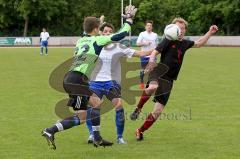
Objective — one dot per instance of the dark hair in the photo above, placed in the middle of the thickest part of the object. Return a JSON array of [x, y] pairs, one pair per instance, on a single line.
[[90, 23], [148, 21], [106, 25]]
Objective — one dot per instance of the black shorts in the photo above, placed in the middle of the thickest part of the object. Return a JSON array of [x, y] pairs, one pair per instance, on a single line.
[[164, 84], [158, 72], [76, 85], [78, 102]]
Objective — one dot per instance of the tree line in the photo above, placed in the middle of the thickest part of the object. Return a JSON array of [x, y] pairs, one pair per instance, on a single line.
[[65, 17]]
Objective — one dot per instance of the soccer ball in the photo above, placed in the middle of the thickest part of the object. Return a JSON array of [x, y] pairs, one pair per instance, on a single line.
[[172, 31]]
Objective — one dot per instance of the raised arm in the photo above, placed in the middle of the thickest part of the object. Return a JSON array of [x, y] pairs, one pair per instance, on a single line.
[[130, 12], [203, 40], [124, 31]]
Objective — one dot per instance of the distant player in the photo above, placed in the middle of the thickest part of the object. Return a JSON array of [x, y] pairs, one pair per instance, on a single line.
[[161, 77], [76, 81], [106, 80], [147, 40], [44, 36]]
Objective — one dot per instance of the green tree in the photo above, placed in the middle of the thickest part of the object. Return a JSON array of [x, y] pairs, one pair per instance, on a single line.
[[33, 9], [64, 17]]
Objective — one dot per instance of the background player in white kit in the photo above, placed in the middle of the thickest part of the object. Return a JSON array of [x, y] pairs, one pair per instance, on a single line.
[[147, 40], [106, 79], [44, 36]]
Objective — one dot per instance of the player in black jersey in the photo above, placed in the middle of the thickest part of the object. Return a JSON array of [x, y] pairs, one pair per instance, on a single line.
[[162, 75]]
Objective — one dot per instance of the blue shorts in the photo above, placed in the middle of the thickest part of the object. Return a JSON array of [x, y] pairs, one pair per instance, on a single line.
[[144, 61], [111, 89], [44, 43]]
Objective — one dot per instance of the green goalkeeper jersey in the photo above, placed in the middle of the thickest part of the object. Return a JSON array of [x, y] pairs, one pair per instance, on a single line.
[[88, 49]]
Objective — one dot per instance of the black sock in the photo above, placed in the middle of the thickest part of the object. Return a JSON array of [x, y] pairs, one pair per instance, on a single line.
[[95, 118], [64, 124], [52, 129], [142, 76]]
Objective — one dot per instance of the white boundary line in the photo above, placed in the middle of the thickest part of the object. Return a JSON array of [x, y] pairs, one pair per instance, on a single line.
[[20, 47]]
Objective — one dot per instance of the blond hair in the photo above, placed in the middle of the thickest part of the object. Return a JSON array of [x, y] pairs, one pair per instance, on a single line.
[[180, 20]]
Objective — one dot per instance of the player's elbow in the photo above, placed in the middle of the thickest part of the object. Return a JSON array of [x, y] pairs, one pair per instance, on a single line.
[[197, 44]]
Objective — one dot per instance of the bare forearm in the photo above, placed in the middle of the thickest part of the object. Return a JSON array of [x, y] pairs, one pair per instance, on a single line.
[[203, 40], [142, 53], [153, 55]]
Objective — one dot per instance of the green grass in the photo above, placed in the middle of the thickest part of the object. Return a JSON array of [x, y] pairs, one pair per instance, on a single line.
[[208, 84]]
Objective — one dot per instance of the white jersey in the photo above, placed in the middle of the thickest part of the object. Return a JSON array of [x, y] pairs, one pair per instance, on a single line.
[[148, 37], [44, 36], [108, 66]]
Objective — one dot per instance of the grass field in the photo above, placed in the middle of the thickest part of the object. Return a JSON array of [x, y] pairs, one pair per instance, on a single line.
[[208, 85]]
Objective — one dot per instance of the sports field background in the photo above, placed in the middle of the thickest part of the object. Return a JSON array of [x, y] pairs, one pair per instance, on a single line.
[[208, 85]]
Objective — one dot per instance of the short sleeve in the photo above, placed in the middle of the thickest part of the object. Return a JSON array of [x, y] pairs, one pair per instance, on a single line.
[[156, 39], [189, 44], [140, 38], [128, 52], [162, 46]]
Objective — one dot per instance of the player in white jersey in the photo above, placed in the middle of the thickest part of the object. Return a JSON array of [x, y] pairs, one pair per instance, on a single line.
[[44, 36], [147, 40], [106, 79]]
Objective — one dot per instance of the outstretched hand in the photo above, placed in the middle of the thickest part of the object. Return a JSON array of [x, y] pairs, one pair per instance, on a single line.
[[213, 29], [130, 12]]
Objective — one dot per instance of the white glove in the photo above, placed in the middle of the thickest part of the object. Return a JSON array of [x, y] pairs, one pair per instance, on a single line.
[[130, 12]]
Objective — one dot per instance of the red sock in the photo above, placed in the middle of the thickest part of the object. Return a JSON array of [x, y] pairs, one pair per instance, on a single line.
[[144, 98], [148, 123]]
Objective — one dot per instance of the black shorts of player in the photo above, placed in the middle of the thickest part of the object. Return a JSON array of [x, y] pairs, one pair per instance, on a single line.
[[164, 84], [78, 102], [76, 85]]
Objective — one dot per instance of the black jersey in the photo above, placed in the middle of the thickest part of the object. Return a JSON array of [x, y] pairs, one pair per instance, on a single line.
[[172, 53]]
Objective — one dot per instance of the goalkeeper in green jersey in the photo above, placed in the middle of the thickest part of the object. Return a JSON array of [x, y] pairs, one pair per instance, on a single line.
[[76, 81]]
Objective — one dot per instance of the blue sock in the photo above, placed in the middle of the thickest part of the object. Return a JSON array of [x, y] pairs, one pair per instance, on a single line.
[[142, 76], [120, 120], [65, 124], [70, 122], [88, 121], [95, 119], [46, 50]]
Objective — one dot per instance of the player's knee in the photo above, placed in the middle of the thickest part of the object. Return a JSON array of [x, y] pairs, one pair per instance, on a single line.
[[158, 109], [81, 114], [152, 88], [117, 104], [95, 102], [156, 113]]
